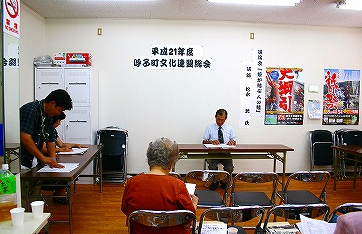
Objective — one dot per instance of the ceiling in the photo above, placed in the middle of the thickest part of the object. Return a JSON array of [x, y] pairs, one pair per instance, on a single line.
[[308, 12]]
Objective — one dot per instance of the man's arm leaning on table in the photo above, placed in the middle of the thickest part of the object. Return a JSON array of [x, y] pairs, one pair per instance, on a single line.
[[30, 146]]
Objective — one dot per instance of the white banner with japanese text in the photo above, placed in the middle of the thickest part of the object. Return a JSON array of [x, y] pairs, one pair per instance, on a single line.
[[173, 57]]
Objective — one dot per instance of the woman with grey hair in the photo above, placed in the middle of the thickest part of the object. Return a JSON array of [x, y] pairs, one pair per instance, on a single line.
[[156, 190], [162, 153]]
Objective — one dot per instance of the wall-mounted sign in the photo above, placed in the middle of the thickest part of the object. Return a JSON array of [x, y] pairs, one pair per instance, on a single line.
[[251, 88], [11, 59], [11, 17], [173, 57], [284, 96], [341, 97]]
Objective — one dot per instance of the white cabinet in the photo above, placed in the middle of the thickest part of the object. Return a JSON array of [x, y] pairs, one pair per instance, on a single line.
[[81, 123], [47, 80]]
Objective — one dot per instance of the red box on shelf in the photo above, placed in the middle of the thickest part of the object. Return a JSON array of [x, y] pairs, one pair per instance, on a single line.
[[79, 58]]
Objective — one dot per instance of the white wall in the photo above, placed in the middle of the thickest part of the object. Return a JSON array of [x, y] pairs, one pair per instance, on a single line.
[[32, 43], [180, 103]]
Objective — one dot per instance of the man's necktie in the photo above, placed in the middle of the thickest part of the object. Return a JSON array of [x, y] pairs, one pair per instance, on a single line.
[[220, 136]]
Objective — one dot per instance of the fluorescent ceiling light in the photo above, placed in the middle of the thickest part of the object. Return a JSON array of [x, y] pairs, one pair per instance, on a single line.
[[118, 0], [261, 2], [350, 4]]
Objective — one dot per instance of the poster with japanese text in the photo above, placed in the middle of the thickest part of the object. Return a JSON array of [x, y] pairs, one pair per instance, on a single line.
[[284, 96], [251, 88], [341, 97]]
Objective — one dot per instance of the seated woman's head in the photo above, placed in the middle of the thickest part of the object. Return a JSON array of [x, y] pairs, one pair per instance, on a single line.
[[163, 153]]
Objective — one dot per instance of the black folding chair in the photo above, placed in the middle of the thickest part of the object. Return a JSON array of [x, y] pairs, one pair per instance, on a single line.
[[175, 174], [292, 194], [254, 188], [321, 153], [344, 209], [203, 179], [293, 212], [234, 216]]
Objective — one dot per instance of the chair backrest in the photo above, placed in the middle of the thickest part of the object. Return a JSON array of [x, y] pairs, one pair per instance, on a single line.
[[321, 135], [155, 218], [344, 209], [209, 176], [204, 178], [233, 215], [352, 137], [258, 179], [321, 177], [175, 174], [293, 211], [321, 152]]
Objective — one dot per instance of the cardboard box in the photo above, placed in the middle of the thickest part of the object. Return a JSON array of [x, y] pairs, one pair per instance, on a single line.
[[79, 58], [59, 58]]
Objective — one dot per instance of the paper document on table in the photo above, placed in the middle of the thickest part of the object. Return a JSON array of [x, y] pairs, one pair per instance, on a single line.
[[222, 146], [282, 229], [213, 227], [75, 151], [314, 226], [68, 167]]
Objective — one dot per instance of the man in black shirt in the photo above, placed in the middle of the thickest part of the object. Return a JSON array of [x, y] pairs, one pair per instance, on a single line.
[[36, 127]]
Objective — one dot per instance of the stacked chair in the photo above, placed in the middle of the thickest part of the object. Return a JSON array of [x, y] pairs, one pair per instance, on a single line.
[[347, 137], [321, 153]]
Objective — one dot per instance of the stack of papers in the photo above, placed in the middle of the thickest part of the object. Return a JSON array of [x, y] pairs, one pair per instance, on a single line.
[[68, 167], [222, 146], [314, 226], [75, 151]]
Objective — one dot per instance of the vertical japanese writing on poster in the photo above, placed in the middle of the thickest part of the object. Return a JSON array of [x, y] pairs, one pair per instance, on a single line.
[[245, 94], [341, 97], [251, 88], [11, 17], [258, 83], [284, 96], [173, 57]]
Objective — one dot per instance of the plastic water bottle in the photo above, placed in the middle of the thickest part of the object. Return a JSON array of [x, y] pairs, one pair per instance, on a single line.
[[7, 192]]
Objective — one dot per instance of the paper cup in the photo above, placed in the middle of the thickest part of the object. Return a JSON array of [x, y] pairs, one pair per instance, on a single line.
[[17, 216], [37, 208], [232, 230], [190, 188]]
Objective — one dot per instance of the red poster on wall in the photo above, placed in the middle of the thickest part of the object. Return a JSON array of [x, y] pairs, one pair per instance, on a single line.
[[341, 97], [284, 96]]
